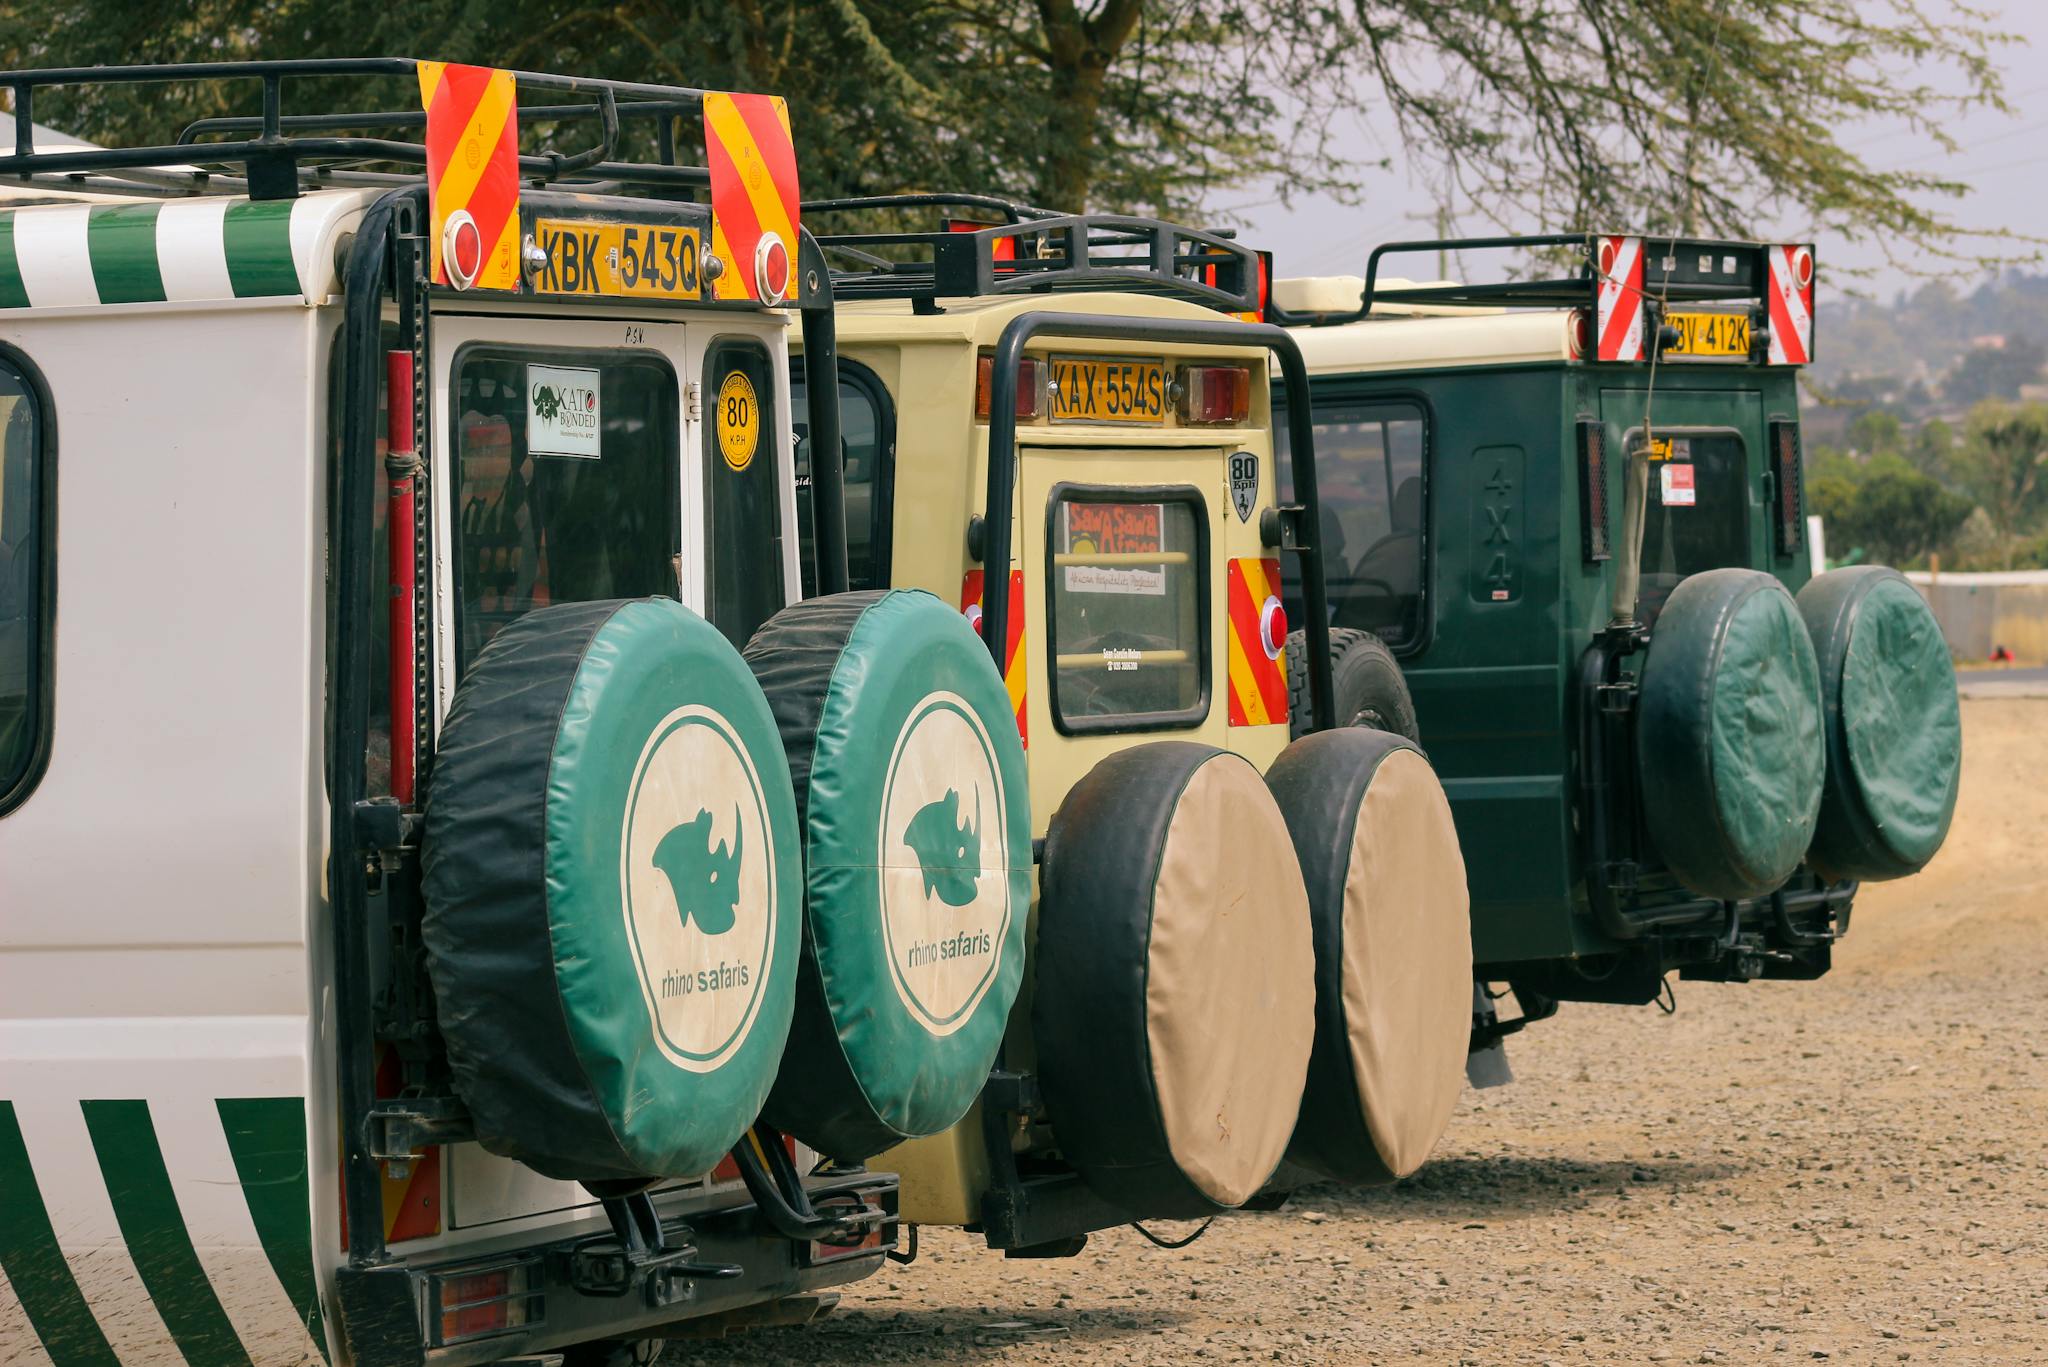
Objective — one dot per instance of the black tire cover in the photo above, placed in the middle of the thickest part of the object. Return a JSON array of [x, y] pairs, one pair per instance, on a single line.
[[910, 787], [612, 892], [1393, 935], [1366, 685], [1174, 1000], [1894, 726], [1729, 752]]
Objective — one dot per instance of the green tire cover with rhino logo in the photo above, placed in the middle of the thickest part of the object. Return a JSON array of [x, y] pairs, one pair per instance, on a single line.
[[1728, 734], [612, 892], [1894, 727], [911, 795]]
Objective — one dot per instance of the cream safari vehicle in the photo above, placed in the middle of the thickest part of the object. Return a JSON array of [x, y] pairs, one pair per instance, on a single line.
[[434, 841], [1248, 953]]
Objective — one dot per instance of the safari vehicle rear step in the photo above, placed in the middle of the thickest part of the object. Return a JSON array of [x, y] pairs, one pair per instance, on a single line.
[[1033, 251]]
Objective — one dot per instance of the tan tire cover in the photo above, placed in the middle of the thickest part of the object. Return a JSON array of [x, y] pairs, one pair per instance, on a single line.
[[1393, 938], [1175, 1004]]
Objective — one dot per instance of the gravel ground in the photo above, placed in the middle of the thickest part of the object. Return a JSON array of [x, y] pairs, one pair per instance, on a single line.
[[1854, 1169]]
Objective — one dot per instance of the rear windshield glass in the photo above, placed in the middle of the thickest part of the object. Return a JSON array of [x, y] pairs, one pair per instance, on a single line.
[[1369, 478], [1127, 608], [1697, 517], [863, 440], [566, 471]]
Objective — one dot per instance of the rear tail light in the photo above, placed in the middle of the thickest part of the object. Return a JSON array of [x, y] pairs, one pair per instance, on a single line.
[[1215, 395], [1030, 386], [478, 1304], [1579, 334], [1593, 534], [1787, 481]]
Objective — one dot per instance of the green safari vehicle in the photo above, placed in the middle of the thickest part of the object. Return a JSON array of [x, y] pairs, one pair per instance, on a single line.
[[1567, 550]]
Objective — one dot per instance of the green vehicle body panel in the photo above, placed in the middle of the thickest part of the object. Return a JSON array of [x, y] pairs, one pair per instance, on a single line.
[[1512, 603]]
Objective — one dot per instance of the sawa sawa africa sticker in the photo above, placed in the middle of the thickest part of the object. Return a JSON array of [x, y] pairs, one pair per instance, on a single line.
[[738, 421], [699, 876], [945, 879]]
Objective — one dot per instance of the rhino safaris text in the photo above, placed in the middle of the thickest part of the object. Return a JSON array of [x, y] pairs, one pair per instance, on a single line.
[[948, 851], [706, 883]]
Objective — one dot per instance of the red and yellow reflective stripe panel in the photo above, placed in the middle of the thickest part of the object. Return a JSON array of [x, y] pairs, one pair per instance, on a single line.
[[1258, 644], [473, 166], [1013, 646], [754, 193]]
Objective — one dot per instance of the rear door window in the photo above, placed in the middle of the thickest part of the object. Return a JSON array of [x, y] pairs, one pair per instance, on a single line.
[[567, 489], [867, 438], [1697, 517], [1371, 485], [1128, 625], [742, 493]]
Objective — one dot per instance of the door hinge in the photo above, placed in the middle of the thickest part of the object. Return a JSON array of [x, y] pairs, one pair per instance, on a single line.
[[693, 401]]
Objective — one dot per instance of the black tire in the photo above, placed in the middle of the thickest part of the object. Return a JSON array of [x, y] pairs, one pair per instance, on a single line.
[[613, 890], [1386, 889], [614, 1353], [1174, 1006], [1365, 683], [911, 794]]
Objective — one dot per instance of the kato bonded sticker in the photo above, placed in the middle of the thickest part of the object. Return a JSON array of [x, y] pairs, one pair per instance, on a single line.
[[564, 412]]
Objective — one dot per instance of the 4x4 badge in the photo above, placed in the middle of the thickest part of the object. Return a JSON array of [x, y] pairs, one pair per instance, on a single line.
[[1244, 484]]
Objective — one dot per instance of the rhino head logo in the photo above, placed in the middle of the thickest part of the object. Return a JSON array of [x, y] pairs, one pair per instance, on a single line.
[[948, 851], [706, 882], [547, 401]]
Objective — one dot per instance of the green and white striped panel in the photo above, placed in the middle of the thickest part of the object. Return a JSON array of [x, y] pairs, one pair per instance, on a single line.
[[186, 250], [98, 1263]]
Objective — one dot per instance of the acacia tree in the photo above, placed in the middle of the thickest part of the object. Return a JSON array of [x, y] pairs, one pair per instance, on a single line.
[[1710, 116]]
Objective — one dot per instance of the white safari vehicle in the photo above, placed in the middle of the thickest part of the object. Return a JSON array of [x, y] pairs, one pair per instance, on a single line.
[[406, 901]]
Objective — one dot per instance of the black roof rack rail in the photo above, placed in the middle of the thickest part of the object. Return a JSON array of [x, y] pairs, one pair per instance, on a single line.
[[1677, 269], [1032, 251], [287, 150]]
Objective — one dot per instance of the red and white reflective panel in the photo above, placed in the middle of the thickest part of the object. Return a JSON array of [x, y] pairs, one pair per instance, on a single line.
[[1620, 264], [1789, 297]]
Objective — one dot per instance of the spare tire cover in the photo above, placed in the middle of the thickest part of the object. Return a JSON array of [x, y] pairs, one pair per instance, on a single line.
[[1894, 728], [1174, 980], [910, 786], [1393, 936], [1728, 742], [612, 889]]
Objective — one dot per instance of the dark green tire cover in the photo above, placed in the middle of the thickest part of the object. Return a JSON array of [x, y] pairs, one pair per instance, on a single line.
[[1728, 741], [911, 793], [1894, 728], [612, 892]]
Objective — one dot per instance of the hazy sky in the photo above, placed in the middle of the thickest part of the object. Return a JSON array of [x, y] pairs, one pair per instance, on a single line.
[[2004, 159]]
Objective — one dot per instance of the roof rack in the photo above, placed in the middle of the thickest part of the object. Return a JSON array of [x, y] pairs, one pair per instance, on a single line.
[[290, 152], [1032, 251], [1675, 269]]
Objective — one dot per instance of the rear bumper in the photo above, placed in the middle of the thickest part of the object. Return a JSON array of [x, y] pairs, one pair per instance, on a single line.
[[725, 1258]]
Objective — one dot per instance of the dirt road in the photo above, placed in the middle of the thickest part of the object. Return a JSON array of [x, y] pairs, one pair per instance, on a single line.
[[1852, 1170]]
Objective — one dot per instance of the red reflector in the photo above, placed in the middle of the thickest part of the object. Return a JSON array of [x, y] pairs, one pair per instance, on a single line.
[[1581, 334], [477, 1304], [1215, 395], [771, 268], [1030, 386], [1273, 627]]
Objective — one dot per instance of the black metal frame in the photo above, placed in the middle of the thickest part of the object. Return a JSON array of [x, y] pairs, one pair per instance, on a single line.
[[1299, 526], [273, 162], [1578, 290], [1052, 251], [1127, 723], [42, 714]]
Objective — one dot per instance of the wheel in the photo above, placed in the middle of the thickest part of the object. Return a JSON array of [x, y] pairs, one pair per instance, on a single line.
[[911, 794], [613, 892], [1365, 684], [614, 1353], [1174, 1006], [1729, 753]]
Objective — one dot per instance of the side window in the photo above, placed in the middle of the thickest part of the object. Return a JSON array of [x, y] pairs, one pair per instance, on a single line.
[[566, 483], [27, 579], [867, 438], [1128, 622], [743, 510], [1371, 477]]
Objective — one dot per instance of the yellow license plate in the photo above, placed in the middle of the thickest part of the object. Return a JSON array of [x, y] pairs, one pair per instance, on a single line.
[[1709, 334], [620, 260], [1108, 389]]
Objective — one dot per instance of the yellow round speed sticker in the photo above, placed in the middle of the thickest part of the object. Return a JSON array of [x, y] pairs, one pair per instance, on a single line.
[[739, 420]]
